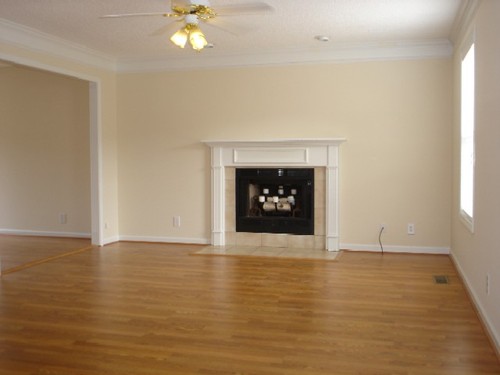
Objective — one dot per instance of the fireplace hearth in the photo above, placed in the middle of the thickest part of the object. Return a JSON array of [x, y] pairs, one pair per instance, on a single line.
[[275, 200]]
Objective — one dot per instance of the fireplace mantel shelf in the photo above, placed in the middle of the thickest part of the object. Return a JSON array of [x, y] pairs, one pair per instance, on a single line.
[[275, 142], [311, 152]]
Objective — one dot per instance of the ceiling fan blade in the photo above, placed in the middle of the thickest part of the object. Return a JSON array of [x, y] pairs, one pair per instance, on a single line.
[[243, 9], [139, 15], [166, 29], [227, 26]]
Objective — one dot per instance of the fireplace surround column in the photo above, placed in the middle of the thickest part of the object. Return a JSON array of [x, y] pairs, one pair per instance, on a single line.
[[317, 152], [332, 199]]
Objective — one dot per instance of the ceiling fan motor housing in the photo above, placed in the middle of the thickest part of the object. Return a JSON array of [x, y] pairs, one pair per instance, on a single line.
[[190, 3], [205, 3], [191, 19]]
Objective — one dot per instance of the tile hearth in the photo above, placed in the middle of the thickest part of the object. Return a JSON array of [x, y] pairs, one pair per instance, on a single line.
[[261, 251]]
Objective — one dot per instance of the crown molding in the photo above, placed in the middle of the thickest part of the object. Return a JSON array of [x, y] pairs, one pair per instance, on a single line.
[[463, 19], [34, 40], [428, 49]]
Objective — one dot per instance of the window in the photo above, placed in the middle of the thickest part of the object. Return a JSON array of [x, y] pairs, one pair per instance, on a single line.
[[467, 139]]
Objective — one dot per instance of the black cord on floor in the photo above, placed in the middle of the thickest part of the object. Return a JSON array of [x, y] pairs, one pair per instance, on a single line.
[[380, 239]]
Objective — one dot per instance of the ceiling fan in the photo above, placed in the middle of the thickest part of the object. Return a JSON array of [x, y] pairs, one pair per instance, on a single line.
[[191, 12]]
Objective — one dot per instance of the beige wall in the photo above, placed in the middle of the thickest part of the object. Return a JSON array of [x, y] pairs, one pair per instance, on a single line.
[[105, 80], [478, 254], [44, 152], [395, 165]]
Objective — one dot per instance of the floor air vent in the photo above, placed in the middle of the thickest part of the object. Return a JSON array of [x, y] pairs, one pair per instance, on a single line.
[[441, 279]]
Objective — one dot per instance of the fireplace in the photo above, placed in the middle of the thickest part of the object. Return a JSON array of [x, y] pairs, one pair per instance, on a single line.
[[275, 200], [320, 154]]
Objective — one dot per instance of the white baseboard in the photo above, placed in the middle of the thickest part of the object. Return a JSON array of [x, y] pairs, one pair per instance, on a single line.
[[492, 332], [183, 240], [22, 232], [109, 240], [396, 249]]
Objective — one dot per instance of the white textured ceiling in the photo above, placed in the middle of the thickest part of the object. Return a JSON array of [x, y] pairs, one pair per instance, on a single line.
[[290, 29]]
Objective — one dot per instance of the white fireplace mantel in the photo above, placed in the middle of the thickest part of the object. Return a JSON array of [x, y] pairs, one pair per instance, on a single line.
[[312, 152]]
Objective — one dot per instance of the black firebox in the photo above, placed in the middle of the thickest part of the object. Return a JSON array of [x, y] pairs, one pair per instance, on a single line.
[[275, 200]]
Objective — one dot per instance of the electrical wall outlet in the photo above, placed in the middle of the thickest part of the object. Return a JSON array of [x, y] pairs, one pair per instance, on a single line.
[[411, 228], [383, 227], [63, 218], [177, 221]]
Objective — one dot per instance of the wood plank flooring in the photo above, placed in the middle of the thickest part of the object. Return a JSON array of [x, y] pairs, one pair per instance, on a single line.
[[17, 252], [150, 309]]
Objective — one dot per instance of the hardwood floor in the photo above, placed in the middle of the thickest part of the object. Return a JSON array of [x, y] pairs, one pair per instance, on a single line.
[[18, 252], [147, 309]]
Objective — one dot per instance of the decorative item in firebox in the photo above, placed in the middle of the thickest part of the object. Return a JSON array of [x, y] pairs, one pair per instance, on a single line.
[[266, 204]]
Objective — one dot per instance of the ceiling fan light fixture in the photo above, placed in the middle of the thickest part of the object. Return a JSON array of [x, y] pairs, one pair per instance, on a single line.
[[180, 38], [197, 38], [190, 32]]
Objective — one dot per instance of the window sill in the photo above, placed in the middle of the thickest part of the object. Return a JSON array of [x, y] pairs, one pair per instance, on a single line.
[[467, 221]]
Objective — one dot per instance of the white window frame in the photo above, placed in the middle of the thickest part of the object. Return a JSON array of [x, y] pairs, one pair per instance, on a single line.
[[467, 130]]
